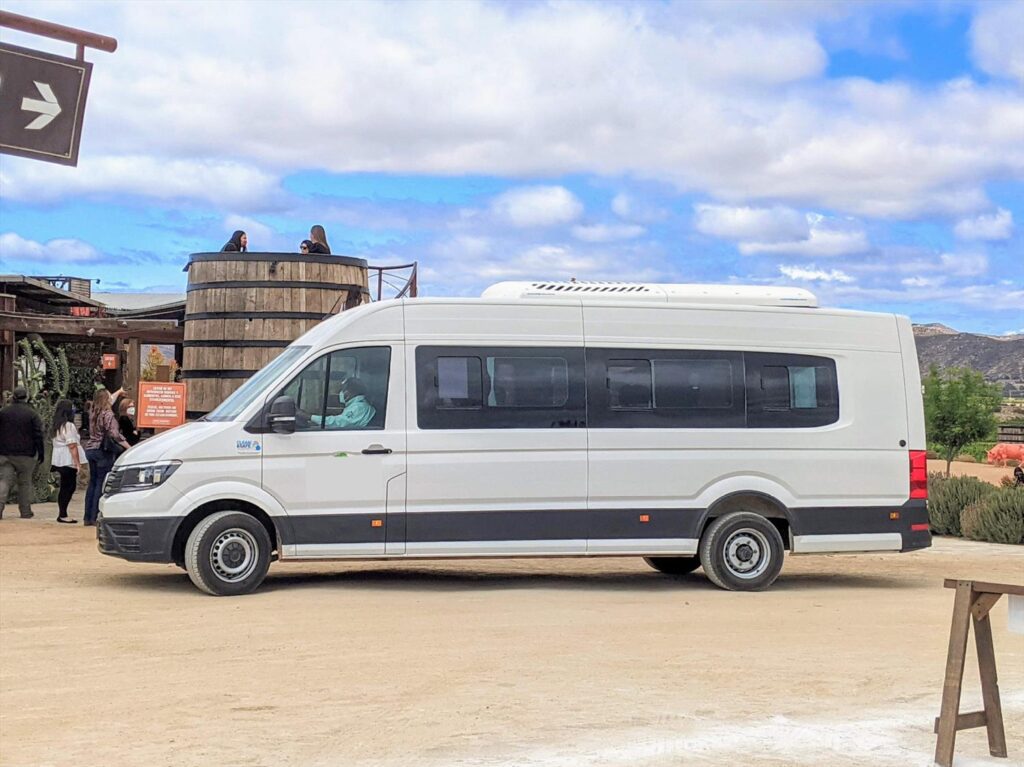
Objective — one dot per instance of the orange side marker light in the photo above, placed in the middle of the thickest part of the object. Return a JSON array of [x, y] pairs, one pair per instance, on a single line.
[[894, 515], [645, 517], [377, 523]]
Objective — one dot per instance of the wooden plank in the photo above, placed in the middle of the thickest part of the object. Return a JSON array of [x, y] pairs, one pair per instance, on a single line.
[[955, 657], [110, 327], [966, 721], [983, 603], [983, 587], [990, 686]]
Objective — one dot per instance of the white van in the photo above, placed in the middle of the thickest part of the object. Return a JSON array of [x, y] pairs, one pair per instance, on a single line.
[[695, 426]]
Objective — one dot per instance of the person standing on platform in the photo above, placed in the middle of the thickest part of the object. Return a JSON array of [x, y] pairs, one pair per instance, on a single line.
[[21, 443], [319, 238], [67, 456], [239, 243]]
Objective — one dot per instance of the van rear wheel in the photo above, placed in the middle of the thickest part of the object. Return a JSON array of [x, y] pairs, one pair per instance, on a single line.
[[742, 551], [673, 565], [228, 554]]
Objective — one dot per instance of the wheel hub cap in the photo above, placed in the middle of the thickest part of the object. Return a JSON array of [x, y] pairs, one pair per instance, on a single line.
[[234, 555], [747, 553]]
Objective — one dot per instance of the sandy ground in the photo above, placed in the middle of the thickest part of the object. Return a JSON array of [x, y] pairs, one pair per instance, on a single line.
[[533, 663], [983, 471]]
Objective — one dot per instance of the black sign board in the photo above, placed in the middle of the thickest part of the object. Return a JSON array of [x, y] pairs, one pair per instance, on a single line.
[[42, 103]]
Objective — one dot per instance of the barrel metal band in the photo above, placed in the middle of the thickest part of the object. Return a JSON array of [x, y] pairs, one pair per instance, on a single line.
[[285, 258], [277, 284], [223, 344], [256, 316], [218, 373]]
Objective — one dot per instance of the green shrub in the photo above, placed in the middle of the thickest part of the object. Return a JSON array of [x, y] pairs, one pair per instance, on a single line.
[[966, 458], [949, 496], [997, 518], [978, 450]]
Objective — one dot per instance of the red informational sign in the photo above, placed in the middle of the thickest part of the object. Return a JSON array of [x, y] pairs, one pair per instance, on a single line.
[[110, 362], [161, 405]]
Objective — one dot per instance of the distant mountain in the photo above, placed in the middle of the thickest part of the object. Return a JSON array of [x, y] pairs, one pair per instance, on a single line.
[[999, 358]]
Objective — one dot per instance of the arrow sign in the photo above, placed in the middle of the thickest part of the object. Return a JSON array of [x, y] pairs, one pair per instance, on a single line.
[[42, 103], [48, 108]]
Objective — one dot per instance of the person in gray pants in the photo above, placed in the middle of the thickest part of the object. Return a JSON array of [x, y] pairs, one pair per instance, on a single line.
[[21, 443]]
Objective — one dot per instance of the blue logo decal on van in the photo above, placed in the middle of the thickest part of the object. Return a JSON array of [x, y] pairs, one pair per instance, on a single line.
[[247, 446]]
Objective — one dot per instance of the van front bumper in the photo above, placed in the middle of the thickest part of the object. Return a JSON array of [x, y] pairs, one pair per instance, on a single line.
[[139, 539]]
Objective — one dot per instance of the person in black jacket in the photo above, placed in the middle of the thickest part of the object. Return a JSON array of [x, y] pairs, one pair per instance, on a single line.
[[239, 243], [319, 238], [21, 440]]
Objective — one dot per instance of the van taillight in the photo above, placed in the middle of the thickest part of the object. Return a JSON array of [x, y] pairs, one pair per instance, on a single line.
[[918, 474]]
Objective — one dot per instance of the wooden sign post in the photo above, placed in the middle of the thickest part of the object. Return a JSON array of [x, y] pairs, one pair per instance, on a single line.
[[974, 600]]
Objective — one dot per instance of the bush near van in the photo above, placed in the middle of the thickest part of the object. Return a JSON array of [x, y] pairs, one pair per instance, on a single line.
[[971, 508]]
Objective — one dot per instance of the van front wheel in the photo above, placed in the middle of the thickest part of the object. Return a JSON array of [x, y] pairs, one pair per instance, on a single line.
[[742, 551], [673, 565], [228, 553]]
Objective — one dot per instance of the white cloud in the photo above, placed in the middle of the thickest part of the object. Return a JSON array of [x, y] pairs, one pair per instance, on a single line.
[[763, 225], [217, 182], [996, 226], [57, 251], [811, 274], [996, 34], [631, 208], [781, 230], [607, 232], [822, 242], [729, 104], [259, 235], [535, 206], [923, 282], [964, 264]]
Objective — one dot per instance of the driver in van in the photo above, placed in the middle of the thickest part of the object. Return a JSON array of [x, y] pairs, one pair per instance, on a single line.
[[357, 413]]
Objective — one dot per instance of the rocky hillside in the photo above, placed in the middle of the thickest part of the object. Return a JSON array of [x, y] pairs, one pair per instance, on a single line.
[[999, 358]]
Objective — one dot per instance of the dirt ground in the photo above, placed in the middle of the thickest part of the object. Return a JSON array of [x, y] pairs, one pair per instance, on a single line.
[[533, 663], [983, 471]]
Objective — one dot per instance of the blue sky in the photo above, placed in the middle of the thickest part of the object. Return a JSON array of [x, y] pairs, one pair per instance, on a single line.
[[872, 152]]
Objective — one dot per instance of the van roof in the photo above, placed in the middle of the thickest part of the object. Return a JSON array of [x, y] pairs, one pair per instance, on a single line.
[[632, 292]]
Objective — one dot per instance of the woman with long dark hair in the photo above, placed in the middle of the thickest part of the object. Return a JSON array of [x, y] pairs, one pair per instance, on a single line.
[[100, 451], [239, 243], [67, 456], [319, 238]]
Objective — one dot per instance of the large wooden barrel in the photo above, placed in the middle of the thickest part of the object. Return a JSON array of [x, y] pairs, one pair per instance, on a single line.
[[244, 308]]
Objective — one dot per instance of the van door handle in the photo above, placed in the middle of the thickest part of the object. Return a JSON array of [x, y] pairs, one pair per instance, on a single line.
[[376, 450]]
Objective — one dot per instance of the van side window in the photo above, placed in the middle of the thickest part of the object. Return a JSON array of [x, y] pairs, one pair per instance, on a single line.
[[630, 385], [499, 388], [343, 390], [665, 389], [791, 390]]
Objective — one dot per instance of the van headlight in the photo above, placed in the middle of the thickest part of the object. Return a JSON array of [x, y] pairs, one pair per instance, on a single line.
[[143, 476]]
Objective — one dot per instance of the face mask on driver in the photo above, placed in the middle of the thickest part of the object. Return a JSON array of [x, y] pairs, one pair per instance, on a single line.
[[131, 411], [341, 398]]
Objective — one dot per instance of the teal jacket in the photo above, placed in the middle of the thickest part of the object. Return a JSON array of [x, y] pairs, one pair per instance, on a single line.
[[356, 415]]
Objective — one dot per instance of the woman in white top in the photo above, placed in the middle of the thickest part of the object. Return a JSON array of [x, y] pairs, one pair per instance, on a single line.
[[67, 456]]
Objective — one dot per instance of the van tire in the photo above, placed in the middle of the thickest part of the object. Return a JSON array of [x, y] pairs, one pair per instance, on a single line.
[[742, 551], [674, 565], [228, 554]]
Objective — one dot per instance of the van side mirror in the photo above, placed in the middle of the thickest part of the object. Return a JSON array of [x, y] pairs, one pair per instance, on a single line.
[[282, 415]]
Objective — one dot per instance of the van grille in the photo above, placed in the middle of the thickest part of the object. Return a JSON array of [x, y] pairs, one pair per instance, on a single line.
[[118, 536]]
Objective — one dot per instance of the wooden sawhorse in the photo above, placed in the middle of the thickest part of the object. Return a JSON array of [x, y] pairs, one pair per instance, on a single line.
[[973, 602]]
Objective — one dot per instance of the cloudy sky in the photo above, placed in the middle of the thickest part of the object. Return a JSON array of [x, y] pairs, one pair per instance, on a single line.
[[872, 152]]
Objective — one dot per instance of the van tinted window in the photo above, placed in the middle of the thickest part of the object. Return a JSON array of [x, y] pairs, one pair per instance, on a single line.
[[499, 388], [662, 388], [790, 390]]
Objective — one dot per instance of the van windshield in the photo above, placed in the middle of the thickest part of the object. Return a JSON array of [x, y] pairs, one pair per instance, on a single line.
[[229, 409]]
